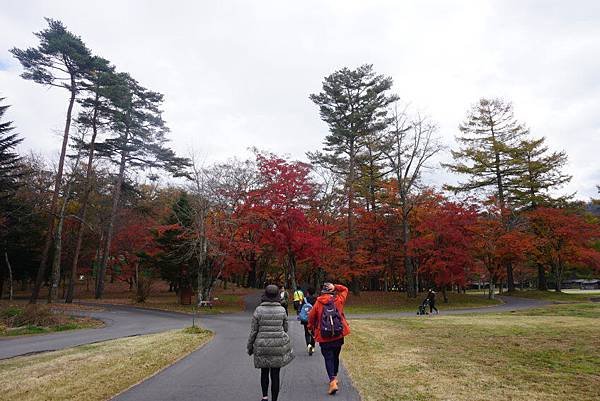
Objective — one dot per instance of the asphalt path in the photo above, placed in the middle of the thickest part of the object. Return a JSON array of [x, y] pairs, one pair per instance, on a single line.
[[120, 321], [221, 370]]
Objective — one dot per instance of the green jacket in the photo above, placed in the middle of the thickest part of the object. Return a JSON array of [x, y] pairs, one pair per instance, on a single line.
[[268, 340]]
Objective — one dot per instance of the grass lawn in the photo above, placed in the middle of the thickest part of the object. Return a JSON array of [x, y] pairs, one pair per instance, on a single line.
[[375, 301], [96, 371], [546, 354], [566, 296]]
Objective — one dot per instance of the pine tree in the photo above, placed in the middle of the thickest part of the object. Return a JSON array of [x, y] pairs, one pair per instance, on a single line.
[[354, 103], [9, 159], [61, 60], [490, 135], [538, 172], [139, 142], [95, 114]]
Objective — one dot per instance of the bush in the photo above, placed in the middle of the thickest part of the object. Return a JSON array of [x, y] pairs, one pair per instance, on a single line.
[[34, 315], [10, 312]]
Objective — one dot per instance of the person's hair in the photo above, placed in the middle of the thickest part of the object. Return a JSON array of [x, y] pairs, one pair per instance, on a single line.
[[271, 294]]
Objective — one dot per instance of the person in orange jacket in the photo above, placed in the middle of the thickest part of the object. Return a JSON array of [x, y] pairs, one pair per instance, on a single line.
[[328, 323]]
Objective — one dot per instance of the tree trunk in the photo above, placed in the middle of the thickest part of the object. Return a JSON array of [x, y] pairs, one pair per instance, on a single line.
[[41, 273], [292, 271], [408, 266], [55, 275], [491, 289], [109, 232], [10, 277], [542, 283]]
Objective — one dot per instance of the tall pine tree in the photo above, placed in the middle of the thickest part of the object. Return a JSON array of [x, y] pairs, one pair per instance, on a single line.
[[139, 142], [61, 60], [489, 137], [354, 104]]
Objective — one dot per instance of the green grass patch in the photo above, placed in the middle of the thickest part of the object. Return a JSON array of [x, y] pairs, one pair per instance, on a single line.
[[195, 330], [545, 354], [389, 302]]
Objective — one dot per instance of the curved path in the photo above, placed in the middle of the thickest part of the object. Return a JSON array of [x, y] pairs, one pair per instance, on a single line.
[[221, 370], [120, 321]]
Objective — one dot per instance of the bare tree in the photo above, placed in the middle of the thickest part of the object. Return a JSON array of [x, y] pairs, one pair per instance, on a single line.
[[412, 143]]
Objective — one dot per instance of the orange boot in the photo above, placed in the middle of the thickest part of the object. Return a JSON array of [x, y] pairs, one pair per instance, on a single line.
[[333, 386]]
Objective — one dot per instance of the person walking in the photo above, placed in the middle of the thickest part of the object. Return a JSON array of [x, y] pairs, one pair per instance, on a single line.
[[298, 300], [269, 341], [431, 300], [329, 326], [305, 308], [284, 298]]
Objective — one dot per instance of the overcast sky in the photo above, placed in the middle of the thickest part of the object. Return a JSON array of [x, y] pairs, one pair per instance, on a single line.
[[237, 74]]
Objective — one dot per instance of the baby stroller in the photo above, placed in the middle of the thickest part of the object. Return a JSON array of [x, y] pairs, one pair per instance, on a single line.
[[423, 308]]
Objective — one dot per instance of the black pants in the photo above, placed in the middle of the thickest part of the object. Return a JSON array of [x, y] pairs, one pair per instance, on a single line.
[[264, 382], [432, 307], [310, 340], [331, 353]]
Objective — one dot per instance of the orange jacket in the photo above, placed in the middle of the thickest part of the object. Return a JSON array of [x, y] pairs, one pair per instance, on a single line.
[[314, 317]]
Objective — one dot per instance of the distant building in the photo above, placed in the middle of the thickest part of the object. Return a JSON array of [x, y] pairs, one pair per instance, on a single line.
[[593, 208]]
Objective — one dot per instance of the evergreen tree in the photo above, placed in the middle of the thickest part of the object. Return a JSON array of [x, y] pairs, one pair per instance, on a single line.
[[538, 172], [139, 142], [490, 135], [95, 114], [9, 159], [61, 60], [354, 103]]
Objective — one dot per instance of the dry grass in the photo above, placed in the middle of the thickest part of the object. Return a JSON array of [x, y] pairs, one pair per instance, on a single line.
[[378, 301], [20, 319], [228, 301], [96, 371], [545, 356]]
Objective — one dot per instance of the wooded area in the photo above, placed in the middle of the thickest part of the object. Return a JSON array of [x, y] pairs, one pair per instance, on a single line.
[[360, 212]]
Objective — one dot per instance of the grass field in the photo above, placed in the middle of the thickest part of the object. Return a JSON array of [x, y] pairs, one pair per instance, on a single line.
[[374, 302], [565, 296], [97, 371], [546, 354]]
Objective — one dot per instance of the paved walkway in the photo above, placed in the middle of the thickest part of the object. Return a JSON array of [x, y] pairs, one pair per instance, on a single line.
[[120, 321], [221, 370]]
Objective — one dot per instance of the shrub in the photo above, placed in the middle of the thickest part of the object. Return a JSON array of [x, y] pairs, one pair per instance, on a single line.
[[34, 315]]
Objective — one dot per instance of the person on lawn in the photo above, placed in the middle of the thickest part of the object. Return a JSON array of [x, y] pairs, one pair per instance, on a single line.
[[305, 308], [431, 300], [269, 341], [329, 326]]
